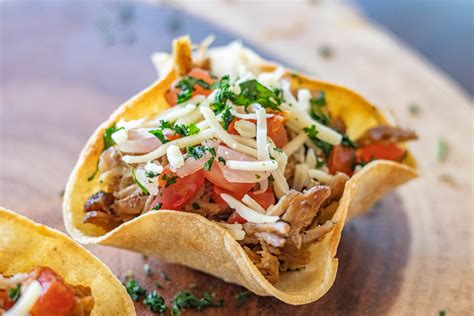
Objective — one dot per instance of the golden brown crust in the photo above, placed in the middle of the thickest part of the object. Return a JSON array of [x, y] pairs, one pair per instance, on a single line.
[[170, 235], [25, 245]]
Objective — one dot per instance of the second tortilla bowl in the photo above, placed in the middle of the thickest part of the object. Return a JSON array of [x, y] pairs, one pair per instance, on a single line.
[[318, 153]]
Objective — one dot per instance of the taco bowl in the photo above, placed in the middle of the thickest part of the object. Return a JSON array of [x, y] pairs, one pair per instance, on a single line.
[[236, 167], [44, 272]]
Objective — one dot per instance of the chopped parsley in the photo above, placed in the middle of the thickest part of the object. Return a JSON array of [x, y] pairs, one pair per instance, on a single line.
[[169, 179], [147, 269], [320, 163], [108, 142], [442, 150], [155, 302], [208, 164], [157, 206], [187, 300], [187, 85], [241, 298], [195, 206], [317, 106], [151, 174], [222, 94], [141, 186], [442, 313], [180, 129], [134, 289], [346, 141], [227, 118], [14, 292], [221, 159], [197, 152], [326, 51], [312, 132], [252, 91]]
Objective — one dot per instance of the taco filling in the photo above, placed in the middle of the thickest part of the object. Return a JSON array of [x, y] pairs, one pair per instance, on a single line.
[[42, 292], [250, 150]]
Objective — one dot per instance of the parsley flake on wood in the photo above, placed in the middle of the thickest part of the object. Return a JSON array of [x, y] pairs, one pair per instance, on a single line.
[[241, 298], [141, 186], [155, 302], [186, 300], [414, 109], [134, 289], [14, 292], [326, 51]]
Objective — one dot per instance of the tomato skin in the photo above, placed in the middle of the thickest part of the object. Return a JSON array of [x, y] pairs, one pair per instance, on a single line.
[[265, 199], [217, 191], [171, 95], [5, 300], [57, 298], [236, 218], [216, 177], [231, 129], [379, 151], [176, 195], [276, 130], [341, 159]]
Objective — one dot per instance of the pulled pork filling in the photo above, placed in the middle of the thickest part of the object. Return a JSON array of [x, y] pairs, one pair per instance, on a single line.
[[253, 153], [42, 292]]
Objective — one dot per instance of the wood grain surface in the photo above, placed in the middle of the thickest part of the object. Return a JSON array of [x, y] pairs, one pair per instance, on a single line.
[[64, 68]]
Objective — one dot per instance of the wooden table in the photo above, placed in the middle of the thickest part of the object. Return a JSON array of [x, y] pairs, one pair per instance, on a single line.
[[64, 68]]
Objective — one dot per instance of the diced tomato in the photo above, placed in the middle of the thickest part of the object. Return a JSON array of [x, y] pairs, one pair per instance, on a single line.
[[217, 191], [341, 159], [236, 218], [173, 196], [172, 94], [379, 151], [265, 199], [5, 301], [216, 177], [231, 129], [173, 137], [276, 130], [57, 298]]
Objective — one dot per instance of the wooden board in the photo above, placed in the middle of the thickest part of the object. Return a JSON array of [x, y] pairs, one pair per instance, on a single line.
[[64, 68]]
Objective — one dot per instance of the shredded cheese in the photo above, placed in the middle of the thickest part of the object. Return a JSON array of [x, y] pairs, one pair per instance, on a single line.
[[303, 99], [223, 135], [247, 213], [171, 114], [174, 156], [247, 199], [300, 177], [265, 165], [180, 142], [247, 116], [310, 158], [293, 145], [27, 300], [192, 117], [153, 167], [320, 175], [120, 136], [130, 124], [245, 128]]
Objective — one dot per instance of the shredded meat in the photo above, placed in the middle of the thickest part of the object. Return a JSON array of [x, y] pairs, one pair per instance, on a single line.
[[283, 203], [266, 262], [202, 204], [302, 210], [84, 301], [386, 134], [337, 186], [112, 170], [132, 204], [99, 201], [292, 258], [338, 124], [273, 234], [318, 232]]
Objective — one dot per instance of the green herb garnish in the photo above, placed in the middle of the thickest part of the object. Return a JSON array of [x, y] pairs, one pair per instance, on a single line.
[[187, 85], [221, 160], [222, 94], [252, 91], [180, 129], [312, 132], [186, 130], [442, 313], [141, 186], [227, 118], [208, 164], [241, 298], [196, 206], [155, 302], [134, 289], [317, 106], [151, 174], [346, 141], [157, 206], [187, 300], [414, 108], [169, 180], [14, 292], [197, 152]]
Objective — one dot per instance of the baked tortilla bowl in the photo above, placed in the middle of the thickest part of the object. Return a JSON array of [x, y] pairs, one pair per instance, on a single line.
[[25, 245], [194, 241]]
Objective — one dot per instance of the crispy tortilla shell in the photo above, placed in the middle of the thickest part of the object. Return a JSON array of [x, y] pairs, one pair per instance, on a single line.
[[194, 241], [25, 245]]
